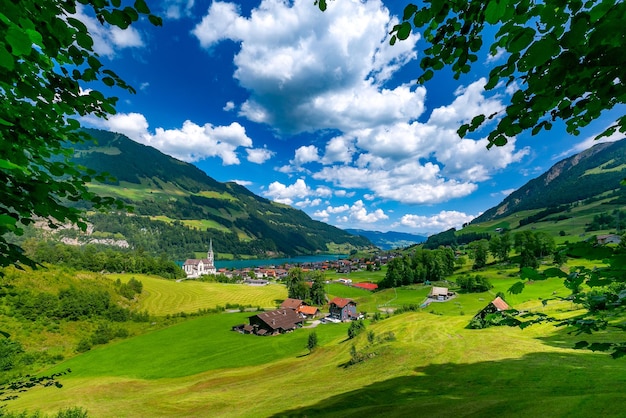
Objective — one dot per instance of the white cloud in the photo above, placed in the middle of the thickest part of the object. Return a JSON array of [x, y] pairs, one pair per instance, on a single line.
[[229, 106], [442, 221], [496, 57], [504, 193], [144, 86], [305, 71], [286, 194], [259, 155], [308, 203], [357, 213], [189, 143], [244, 183], [106, 38], [305, 154], [176, 9]]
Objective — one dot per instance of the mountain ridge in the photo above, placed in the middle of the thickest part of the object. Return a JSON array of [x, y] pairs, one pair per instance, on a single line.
[[177, 201]]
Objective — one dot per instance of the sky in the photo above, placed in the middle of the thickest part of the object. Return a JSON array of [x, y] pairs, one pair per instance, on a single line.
[[317, 111]]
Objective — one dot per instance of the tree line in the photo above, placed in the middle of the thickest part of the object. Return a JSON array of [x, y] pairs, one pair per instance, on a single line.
[[422, 265], [98, 258]]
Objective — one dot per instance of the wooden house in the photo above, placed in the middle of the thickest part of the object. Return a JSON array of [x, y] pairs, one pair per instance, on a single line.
[[291, 303], [343, 309], [440, 293], [275, 322]]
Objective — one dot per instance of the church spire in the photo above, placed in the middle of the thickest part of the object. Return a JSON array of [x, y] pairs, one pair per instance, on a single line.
[[209, 255]]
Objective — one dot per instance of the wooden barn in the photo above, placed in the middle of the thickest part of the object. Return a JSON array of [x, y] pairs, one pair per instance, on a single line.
[[276, 322]]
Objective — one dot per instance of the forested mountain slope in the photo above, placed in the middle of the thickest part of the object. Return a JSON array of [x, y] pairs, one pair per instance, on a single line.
[[594, 171], [178, 209]]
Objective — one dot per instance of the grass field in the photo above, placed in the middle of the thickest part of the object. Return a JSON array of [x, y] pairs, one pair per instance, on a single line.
[[435, 367], [162, 297]]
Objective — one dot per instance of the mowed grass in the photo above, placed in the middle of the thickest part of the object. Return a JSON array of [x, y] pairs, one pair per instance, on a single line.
[[192, 347], [163, 297], [435, 367]]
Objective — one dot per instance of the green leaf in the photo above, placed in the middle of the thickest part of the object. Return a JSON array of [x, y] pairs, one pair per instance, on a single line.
[[19, 41], [520, 39], [409, 11], [84, 40], [142, 7], [527, 273], [495, 10], [404, 31], [157, 21], [6, 59]]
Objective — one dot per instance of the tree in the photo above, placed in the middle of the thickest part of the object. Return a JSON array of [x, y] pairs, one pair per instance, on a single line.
[[312, 342], [318, 293], [47, 60], [479, 251], [565, 57], [500, 246]]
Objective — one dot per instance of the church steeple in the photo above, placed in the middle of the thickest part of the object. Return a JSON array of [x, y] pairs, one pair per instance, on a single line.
[[209, 255]]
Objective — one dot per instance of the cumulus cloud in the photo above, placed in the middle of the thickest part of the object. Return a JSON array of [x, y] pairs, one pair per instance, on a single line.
[[442, 221], [189, 143], [306, 72], [108, 39], [259, 155], [229, 106], [355, 213]]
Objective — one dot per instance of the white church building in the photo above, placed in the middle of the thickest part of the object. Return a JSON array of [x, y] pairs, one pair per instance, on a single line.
[[194, 267]]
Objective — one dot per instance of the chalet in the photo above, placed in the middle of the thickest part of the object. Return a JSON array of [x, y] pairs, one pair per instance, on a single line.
[[195, 268], [275, 322], [440, 293], [290, 303], [308, 311], [496, 306], [608, 239], [343, 309]]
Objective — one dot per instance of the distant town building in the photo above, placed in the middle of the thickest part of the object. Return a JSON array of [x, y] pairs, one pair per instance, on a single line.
[[195, 268]]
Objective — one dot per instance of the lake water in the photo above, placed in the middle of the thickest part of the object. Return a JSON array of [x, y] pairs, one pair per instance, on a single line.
[[239, 264]]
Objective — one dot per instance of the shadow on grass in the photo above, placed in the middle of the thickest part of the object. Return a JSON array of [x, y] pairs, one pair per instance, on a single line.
[[541, 384]]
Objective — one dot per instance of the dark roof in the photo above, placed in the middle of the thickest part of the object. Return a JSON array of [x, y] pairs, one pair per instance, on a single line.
[[280, 319], [290, 303], [341, 302]]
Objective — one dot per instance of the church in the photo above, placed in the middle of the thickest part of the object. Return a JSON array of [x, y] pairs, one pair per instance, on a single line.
[[194, 267]]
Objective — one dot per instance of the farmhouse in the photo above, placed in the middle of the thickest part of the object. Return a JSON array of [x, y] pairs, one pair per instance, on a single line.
[[291, 303], [440, 293], [275, 322], [307, 311], [494, 314], [608, 239], [342, 309], [195, 268]]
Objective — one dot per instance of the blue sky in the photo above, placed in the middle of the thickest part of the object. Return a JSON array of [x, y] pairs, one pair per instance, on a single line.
[[317, 111]]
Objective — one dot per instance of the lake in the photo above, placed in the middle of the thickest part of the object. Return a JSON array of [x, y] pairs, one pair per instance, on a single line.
[[239, 264]]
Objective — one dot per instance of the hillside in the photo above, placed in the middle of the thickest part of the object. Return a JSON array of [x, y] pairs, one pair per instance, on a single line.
[[594, 171], [389, 240], [180, 208]]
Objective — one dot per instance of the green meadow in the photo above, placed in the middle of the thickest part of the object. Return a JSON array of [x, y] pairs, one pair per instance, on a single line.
[[418, 363]]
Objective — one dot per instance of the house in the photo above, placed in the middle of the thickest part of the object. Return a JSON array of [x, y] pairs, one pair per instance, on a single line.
[[492, 314], [290, 303], [308, 311], [275, 322], [195, 268], [343, 309], [440, 293], [608, 239]]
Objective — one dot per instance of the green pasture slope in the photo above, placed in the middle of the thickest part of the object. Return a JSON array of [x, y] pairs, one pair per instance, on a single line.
[[434, 367], [163, 297]]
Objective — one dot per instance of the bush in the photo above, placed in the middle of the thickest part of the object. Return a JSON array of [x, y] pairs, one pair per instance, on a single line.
[[356, 327], [474, 284]]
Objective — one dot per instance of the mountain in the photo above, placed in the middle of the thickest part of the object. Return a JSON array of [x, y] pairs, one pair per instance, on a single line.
[[389, 240], [179, 209], [592, 172]]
